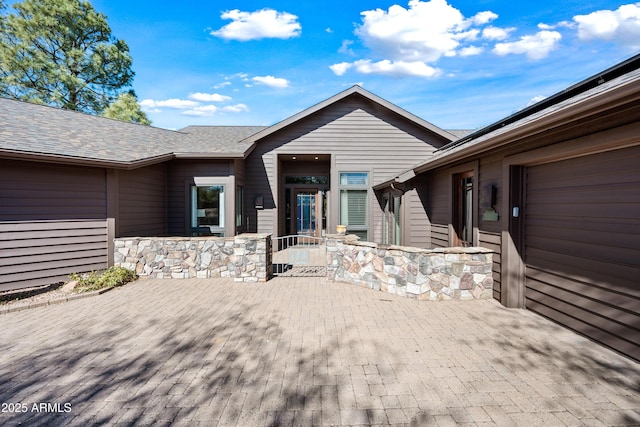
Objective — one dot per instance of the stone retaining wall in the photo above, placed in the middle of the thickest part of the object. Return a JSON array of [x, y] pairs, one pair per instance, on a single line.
[[246, 257], [436, 274]]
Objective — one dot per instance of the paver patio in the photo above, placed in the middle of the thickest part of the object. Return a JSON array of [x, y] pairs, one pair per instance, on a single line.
[[302, 351]]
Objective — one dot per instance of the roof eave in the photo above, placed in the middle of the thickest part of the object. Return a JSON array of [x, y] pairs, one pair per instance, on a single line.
[[209, 155], [83, 161]]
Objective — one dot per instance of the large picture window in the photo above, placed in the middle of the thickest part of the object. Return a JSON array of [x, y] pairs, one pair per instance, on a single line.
[[354, 203], [207, 209]]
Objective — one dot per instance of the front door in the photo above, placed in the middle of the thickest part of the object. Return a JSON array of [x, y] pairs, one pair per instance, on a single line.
[[306, 212]]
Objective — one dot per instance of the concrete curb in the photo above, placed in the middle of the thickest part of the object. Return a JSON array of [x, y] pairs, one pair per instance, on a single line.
[[55, 301]]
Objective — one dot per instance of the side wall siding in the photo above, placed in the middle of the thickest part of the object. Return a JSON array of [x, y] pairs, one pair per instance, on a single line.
[[142, 203], [43, 191]]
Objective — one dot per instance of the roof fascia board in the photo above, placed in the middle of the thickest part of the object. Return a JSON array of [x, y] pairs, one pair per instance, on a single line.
[[213, 156], [81, 161]]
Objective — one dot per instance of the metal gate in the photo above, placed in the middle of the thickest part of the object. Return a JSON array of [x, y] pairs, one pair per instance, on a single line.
[[299, 256]]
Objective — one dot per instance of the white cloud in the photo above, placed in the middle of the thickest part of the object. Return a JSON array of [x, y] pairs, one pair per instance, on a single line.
[[485, 17], [221, 85], [209, 97], [271, 81], [345, 49], [387, 67], [341, 68], [238, 108], [265, 23], [212, 110], [471, 51], [425, 32], [495, 33], [329, 30], [537, 46], [179, 104], [621, 25], [202, 111]]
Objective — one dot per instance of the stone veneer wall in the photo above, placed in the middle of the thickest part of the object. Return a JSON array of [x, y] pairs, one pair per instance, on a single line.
[[246, 257], [435, 274]]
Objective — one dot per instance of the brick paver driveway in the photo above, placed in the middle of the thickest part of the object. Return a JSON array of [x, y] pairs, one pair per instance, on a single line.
[[301, 352]]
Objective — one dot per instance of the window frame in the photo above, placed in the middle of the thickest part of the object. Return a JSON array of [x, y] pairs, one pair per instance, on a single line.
[[356, 229], [195, 229]]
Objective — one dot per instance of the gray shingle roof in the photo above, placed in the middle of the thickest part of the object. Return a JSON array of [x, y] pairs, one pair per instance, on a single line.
[[33, 129], [217, 139], [38, 129]]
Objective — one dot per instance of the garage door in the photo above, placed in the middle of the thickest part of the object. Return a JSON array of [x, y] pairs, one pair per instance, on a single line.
[[582, 246]]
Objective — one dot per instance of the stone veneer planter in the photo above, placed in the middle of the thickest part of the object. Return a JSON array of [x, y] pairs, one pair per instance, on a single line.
[[246, 257], [425, 274]]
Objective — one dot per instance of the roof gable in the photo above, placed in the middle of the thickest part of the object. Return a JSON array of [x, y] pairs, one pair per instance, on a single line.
[[341, 96]]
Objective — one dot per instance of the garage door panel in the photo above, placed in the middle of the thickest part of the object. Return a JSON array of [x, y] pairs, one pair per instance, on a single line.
[[581, 250], [585, 210], [602, 239], [598, 167], [614, 194], [626, 226], [595, 272], [619, 329], [587, 295], [603, 336], [588, 251]]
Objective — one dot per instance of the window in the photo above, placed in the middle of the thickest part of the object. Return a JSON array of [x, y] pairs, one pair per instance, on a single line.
[[391, 230], [207, 210], [239, 208], [354, 203]]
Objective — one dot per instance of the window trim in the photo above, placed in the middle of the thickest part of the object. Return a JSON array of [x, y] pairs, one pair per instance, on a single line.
[[356, 187], [196, 230]]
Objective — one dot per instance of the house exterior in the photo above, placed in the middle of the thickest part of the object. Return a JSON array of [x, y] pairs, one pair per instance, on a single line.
[[553, 190], [304, 175]]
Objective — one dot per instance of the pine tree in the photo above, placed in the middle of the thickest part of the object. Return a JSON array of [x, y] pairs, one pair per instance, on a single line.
[[62, 53]]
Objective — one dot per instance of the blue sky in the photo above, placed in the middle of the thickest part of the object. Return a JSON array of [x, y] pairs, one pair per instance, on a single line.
[[457, 64]]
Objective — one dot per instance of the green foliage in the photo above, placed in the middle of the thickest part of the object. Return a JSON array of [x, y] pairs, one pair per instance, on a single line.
[[62, 53], [127, 109], [113, 276]]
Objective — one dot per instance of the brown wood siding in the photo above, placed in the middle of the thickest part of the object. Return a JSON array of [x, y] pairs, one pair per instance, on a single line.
[[180, 176], [493, 241], [41, 191], [359, 135], [417, 220], [46, 252], [439, 236], [439, 209], [581, 246], [142, 207], [439, 197]]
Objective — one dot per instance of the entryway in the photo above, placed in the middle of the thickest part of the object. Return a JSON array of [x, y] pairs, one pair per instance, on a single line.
[[299, 256]]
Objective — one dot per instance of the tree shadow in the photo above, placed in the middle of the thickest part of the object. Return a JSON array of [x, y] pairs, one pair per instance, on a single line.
[[160, 370], [536, 346]]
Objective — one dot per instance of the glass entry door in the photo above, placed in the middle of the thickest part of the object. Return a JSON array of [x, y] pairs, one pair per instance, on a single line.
[[307, 212]]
